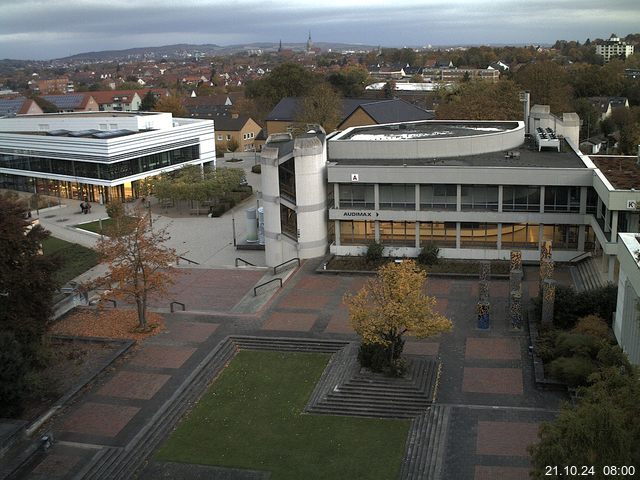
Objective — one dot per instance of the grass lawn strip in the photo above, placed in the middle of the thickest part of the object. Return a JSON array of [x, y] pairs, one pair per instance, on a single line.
[[95, 226], [251, 418], [75, 259]]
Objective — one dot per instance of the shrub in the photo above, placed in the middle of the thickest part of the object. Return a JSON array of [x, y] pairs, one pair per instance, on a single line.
[[613, 356], [545, 344], [374, 252], [594, 326], [429, 254], [568, 344], [574, 371], [383, 359], [256, 169], [115, 209]]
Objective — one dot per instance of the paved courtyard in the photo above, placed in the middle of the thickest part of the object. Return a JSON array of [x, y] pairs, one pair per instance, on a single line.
[[486, 377]]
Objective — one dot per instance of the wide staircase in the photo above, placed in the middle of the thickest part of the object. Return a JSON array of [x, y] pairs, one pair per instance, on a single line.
[[586, 275]]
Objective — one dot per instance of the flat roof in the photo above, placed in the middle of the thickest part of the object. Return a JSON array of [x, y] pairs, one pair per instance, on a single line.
[[526, 155], [89, 114], [623, 172], [424, 130]]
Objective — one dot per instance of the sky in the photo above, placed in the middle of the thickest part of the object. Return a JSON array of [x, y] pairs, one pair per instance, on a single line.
[[47, 29]]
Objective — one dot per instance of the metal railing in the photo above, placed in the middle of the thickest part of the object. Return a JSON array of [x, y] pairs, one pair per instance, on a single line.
[[580, 257], [255, 289], [178, 258], [284, 263], [244, 261], [176, 303]]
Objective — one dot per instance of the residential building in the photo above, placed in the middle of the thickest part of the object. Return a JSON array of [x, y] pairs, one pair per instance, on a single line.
[[606, 105], [118, 100], [477, 189], [18, 106], [75, 102], [239, 129], [98, 155], [53, 86], [355, 111], [614, 48]]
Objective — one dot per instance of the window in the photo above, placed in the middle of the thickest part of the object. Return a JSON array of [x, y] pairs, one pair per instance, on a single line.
[[356, 233], [398, 233], [288, 222], [228, 137], [563, 237], [520, 235], [287, 177], [438, 197], [356, 196], [519, 198], [442, 234], [592, 201], [562, 199], [398, 196], [483, 235], [219, 137], [480, 197]]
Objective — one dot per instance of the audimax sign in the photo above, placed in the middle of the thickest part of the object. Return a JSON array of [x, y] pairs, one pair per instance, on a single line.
[[359, 213]]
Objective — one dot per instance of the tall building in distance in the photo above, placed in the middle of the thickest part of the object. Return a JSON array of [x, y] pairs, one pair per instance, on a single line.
[[614, 48]]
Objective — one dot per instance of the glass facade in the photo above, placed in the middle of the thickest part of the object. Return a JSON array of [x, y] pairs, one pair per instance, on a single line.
[[520, 235], [520, 198], [287, 178], [399, 196], [443, 234], [356, 233], [288, 222], [398, 233], [356, 196], [480, 197], [438, 197], [562, 199], [101, 171], [478, 235], [564, 237]]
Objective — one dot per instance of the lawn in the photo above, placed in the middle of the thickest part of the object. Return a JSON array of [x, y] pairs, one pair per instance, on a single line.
[[95, 226], [74, 259], [252, 418]]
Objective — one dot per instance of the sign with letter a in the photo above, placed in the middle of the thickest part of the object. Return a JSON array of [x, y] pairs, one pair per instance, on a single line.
[[355, 177]]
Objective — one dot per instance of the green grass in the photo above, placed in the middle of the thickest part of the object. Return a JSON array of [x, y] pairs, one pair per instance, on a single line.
[[95, 226], [251, 418], [74, 259]]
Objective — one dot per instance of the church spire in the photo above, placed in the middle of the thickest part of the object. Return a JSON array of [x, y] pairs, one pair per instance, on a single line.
[[309, 43]]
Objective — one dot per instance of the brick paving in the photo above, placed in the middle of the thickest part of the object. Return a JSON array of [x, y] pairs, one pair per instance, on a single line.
[[136, 385], [486, 376], [504, 381], [492, 349], [505, 438], [99, 419]]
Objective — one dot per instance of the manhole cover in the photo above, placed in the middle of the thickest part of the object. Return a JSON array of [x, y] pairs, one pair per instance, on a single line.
[[49, 216]]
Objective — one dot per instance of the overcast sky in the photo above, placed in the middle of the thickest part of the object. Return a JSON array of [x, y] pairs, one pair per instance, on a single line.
[[45, 29]]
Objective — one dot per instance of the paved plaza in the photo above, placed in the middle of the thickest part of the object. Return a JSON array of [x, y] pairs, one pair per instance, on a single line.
[[486, 377]]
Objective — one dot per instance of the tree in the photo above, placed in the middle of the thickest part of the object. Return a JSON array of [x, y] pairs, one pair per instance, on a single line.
[[389, 89], [322, 106], [27, 287], [45, 105], [548, 83], [350, 81], [481, 101], [392, 304], [602, 429], [148, 103], [171, 104], [139, 263]]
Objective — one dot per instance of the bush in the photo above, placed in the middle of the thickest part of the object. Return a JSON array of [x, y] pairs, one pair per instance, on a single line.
[[594, 326], [429, 254], [546, 344], [115, 209], [568, 344], [613, 356], [383, 359], [374, 252], [574, 371], [256, 169]]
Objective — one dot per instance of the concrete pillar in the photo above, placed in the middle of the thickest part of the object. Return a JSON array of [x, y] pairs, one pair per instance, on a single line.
[[417, 229], [376, 196], [417, 197], [583, 200], [581, 237], [500, 197], [337, 232], [458, 232], [458, 199], [611, 270], [542, 199], [271, 204], [336, 196], [614, 226], [499, 237]]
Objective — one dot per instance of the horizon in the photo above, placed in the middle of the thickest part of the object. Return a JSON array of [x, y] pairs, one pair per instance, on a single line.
[[83, 26]]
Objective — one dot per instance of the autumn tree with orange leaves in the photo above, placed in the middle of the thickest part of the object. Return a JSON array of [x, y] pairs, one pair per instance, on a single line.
[[139, 263], [388, 306]]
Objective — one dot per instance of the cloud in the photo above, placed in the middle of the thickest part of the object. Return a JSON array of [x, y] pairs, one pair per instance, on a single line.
[[49, 29]]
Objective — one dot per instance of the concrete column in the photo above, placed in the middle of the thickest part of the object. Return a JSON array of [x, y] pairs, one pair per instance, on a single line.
[[376, 198], [336, 229], [417, 229], [271, 204], [581, 237], [458, 230], [499, 239], [583, 200], [614, 226], [500, 196], [542, 199], [458, 199], [336, 196], [376, 229], [417, 196], [611, 270]]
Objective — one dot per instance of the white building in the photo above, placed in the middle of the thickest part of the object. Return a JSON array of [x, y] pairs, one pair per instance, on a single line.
[[477, 189], [614, 48], [98, 155], [626, 325]]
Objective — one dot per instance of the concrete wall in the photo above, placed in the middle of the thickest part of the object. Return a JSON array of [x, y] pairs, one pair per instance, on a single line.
[[626, 326], [568, 126]]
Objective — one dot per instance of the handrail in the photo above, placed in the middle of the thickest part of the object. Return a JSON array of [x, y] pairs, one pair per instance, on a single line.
[[176, 303], [255, 292], [178, 257], [284, 263], [583, 254], [243, 260]]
